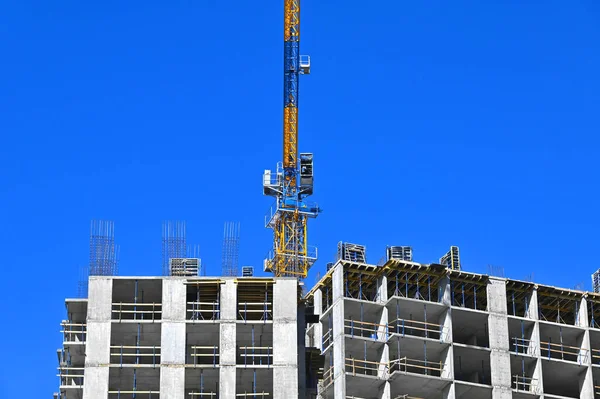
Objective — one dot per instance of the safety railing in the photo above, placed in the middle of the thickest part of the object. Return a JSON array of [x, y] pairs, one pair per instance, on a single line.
[[136, 311], [327, 339], [415, 366], [595, 356], [308, 208], [124, 355], [203, 395], [327, 378], [253, 395], [356, 328], [203, 355], [134, 394], [74, 332], [523, 346], [563, 352], [255, 311], [365, 367], [418, 329], [255, 355], [71, 376], [406, 397], [525, 384], [203, 311]]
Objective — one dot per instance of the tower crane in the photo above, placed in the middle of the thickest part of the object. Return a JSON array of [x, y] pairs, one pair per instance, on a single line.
[[292, 181]]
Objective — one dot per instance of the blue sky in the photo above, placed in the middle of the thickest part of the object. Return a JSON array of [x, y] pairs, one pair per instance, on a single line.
[[433, 124]]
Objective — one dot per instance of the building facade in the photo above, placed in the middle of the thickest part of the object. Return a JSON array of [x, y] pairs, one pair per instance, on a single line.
[[185, 337], [407, 330]]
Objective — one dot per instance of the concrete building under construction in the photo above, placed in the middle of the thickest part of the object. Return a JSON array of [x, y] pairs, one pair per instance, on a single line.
[[187, 337], [399, 329]]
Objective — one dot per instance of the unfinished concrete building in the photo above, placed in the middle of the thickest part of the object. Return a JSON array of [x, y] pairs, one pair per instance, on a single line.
[[408, 330], [187, 337]]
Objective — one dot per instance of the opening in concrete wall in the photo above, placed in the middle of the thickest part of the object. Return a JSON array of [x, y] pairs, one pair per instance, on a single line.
[[520, 333], [595, 347], [254, 383], [562, 343], [361, 282], [137, 299], [409, 280], [472, 364], [470, 328], [468, 290], [417, 318], [202, 382], [518, 298], [254, 344], [255, 300], [134, 382], [522, 371], [364, 357], [561, 378], [593, 308], [135, 344], [364, 319], [418, 356], [558, 305], [202, 345], [203, 300]]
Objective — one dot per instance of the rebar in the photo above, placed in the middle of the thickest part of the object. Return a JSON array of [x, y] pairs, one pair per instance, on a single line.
[[173, 243], [104, 254], [231, 249]]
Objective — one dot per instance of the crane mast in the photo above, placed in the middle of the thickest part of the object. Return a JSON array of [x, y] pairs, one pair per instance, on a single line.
[[292, 181]]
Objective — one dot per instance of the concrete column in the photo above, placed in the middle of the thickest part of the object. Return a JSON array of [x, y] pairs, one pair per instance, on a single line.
[[97, 352], [534, 346], [285, 338], [173, 338], [586, 382], [445, 321], [382, 293], [318, 327], [385, 392], [499, 342], [339, 345], [444, 292], [449, 392], [227, 339]]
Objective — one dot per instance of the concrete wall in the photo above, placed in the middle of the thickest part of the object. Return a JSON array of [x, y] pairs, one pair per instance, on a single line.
[[499, 342], [172, 358], [98, 338], [227, 339], [285, 338], [339, 346]]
